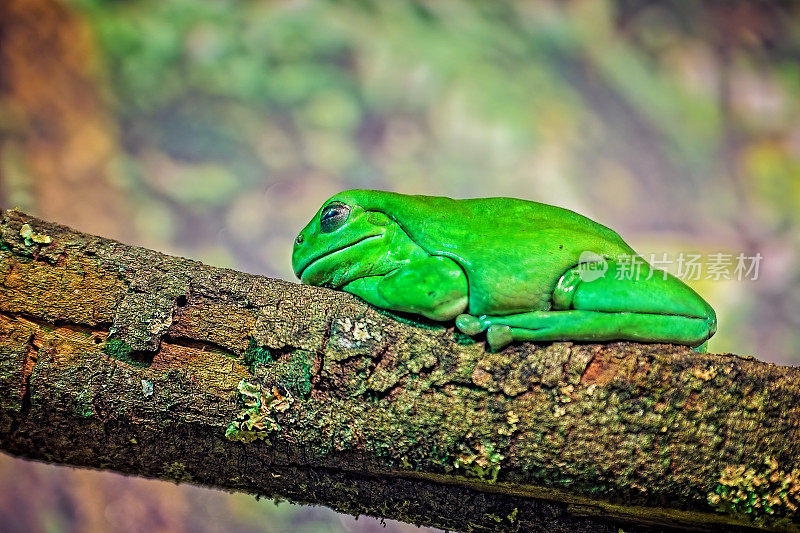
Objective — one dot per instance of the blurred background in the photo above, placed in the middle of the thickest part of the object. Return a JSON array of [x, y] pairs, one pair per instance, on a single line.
[[214, 129]]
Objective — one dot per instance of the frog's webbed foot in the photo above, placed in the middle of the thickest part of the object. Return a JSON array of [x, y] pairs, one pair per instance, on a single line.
[[503, 330], [469, 325], [703, 348], [497, 335]]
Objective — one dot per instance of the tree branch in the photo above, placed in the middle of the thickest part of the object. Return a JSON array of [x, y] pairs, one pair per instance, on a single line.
[[121, 358]]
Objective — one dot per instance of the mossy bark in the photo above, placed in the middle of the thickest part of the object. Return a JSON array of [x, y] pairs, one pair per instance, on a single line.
[[126, 359]]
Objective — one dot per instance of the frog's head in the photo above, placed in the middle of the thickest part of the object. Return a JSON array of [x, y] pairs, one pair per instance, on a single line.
[[343, 242]]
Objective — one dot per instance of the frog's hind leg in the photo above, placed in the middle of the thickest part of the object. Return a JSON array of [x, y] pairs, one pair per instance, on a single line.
[[594, 326], [652, 307]]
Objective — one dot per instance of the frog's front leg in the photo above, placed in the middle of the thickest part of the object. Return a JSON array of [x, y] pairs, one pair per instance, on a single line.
[[612, 307], [435, 287]]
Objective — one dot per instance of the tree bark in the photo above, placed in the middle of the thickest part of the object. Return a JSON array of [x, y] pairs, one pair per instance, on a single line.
[[122, 358]]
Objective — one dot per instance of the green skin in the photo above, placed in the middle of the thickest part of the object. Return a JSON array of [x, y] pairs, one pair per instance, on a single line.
[[513, 268]]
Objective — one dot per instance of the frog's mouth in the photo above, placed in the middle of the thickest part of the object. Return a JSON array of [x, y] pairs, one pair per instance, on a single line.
[[330, 254]]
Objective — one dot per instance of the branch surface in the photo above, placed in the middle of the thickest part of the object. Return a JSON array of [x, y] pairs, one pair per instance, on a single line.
[[122, 358]]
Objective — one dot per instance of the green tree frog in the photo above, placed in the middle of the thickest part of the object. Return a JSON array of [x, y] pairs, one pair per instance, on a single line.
[[517, 269]]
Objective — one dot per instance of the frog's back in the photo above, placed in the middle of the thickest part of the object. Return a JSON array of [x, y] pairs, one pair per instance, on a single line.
[[513, 251]]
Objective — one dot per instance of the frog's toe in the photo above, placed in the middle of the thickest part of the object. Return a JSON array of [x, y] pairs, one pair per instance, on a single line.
[[469, 325], [703, 348], [498, 336]]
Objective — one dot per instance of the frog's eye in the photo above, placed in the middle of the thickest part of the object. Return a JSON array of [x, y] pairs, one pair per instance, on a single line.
[[333, 216]]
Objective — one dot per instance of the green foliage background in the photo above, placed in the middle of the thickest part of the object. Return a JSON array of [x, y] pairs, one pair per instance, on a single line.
[[675, 123]]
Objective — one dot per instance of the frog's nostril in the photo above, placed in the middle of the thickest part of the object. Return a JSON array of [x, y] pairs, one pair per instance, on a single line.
[[299, 239]]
